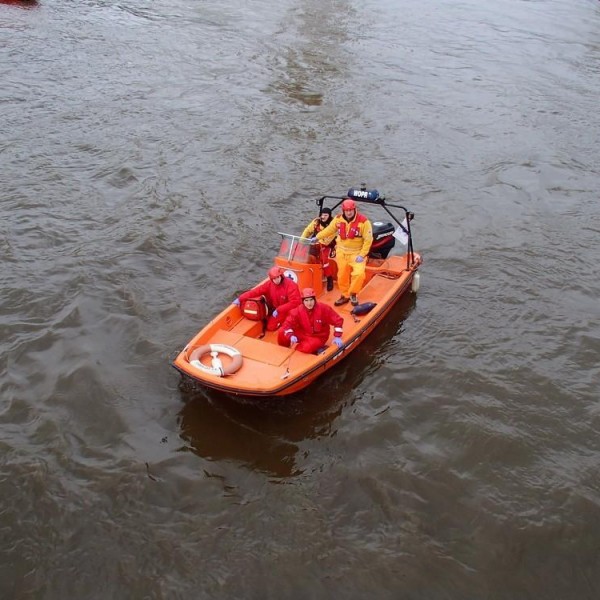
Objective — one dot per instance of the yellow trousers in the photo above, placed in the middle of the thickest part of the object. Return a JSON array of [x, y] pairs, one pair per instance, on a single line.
[[350, 275]]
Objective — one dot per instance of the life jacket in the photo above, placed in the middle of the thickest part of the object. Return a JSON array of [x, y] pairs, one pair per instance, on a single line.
[[350, 230]]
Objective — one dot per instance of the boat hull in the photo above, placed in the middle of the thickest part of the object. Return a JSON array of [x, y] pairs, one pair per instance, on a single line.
[[270, 370]]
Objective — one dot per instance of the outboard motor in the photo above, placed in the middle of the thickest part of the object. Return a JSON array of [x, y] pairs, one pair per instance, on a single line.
[[383, 239]]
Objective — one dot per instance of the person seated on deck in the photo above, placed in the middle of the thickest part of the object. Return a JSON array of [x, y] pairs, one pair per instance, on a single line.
[[354, 239], [308, 325], [327, 246], [281, 294]]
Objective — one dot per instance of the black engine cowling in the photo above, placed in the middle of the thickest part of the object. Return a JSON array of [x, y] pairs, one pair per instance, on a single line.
[[383, 239]]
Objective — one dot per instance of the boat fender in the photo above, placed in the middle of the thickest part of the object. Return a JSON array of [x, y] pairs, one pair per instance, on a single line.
[[364, 308], [416, 282], [216, 367]]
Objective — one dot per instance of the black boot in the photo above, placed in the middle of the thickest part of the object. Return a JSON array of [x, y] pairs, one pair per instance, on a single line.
[[329, 283]]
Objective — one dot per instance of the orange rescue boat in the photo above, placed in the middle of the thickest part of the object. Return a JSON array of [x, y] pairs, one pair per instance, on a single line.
[[235, 355]]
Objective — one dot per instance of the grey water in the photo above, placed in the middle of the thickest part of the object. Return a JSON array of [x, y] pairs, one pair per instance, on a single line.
[[149, 154]]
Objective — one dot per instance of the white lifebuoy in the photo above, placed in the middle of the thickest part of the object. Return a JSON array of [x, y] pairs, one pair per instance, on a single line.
[[216, 367]]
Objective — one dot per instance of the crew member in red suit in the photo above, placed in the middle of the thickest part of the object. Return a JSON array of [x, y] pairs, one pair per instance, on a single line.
[[281, 293], [308, 325], [327, 246]]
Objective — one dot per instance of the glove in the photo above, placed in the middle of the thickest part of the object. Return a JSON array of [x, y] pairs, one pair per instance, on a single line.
[[360, 259], [313, 239], [236, 302], [294, 339], [275, 313], [338, 342]]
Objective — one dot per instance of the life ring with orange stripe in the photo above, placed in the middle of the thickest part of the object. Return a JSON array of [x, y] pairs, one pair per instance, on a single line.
[[216, 367]]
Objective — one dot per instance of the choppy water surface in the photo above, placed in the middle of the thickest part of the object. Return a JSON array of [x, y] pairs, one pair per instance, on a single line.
[[149, 153]]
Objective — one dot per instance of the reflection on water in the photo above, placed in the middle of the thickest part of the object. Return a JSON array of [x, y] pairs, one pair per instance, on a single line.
[[266, 435], [233, 432]]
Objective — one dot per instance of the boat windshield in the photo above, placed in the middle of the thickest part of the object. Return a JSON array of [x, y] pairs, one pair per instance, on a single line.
[[297, 249]]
